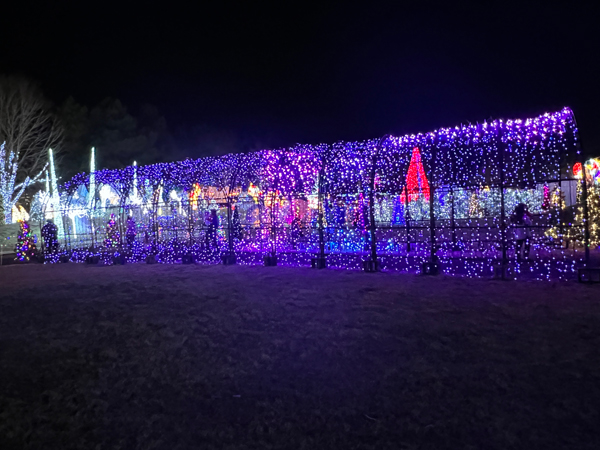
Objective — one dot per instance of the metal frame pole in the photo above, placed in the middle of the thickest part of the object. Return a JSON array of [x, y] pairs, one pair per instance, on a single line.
[[374, 261], [502, 210], [560, 205], [229, 227], [273, 228], [190, 224], [92, 213], [320, 213], [586, 216], [230, 256], [433, 256], [452, 207], [372, 213]]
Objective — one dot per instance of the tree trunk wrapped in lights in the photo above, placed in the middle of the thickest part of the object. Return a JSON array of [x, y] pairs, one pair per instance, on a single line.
[[10, 190], [29, 128]]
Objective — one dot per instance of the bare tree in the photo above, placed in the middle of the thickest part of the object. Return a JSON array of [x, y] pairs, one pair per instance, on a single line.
[[29, 128]]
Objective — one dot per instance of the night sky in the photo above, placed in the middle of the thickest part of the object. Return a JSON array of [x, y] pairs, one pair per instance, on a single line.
[[306, 73]]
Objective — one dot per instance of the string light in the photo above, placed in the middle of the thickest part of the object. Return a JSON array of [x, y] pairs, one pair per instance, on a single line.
[[10, 190], [462, 175]]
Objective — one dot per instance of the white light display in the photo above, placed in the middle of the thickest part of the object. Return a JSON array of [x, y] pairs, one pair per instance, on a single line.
[[10, 190]]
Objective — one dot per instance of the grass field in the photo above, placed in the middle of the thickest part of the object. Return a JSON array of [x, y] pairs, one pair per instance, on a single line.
[[213, 357]]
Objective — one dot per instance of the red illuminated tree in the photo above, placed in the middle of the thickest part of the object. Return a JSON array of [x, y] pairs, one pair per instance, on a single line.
[[416, 180]]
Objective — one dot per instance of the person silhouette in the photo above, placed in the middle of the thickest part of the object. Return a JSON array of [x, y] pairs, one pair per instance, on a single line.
[[213, 227], [521, 222]]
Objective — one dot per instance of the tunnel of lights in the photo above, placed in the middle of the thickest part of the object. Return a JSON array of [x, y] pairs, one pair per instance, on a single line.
[[442, 197]]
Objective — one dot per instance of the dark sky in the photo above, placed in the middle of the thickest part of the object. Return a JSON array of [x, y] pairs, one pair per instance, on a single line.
[[306, 73]]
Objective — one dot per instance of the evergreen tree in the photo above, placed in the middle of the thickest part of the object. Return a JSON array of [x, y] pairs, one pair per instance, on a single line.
[[576, 232], [112, 233], [594, 215], [475, 207], [25, 247], [546, 199]]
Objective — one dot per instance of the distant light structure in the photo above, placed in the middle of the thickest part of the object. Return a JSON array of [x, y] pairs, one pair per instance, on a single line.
[[92, 181]]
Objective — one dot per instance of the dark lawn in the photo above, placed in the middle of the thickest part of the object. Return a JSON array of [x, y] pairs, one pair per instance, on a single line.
[[178, 357]]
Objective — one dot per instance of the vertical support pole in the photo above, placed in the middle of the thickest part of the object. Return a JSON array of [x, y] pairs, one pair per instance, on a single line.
[[190, 225], [502, 210], [433, 256], [66, 230], [560, 205], [92, 211], [452, 207], [260, 228], [407, 219], [273, 228], [121, 222], [174, 222], [452, 222], [586, 216], [230, 255], [320, 213], [156, 200], [229, 227], [93, 228], [372, 211], [43, 246], [289, 238]]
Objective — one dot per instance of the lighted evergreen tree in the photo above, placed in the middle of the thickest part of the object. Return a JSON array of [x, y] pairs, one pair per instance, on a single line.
[[416, 190], [112, 233], [475, 207], [554, 208], [417, 185], [546, 199], [594, 215], [25, 247], [576, 232]]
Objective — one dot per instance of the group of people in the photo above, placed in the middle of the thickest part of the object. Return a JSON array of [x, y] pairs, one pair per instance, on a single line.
[[211, 222], [520, 220]]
